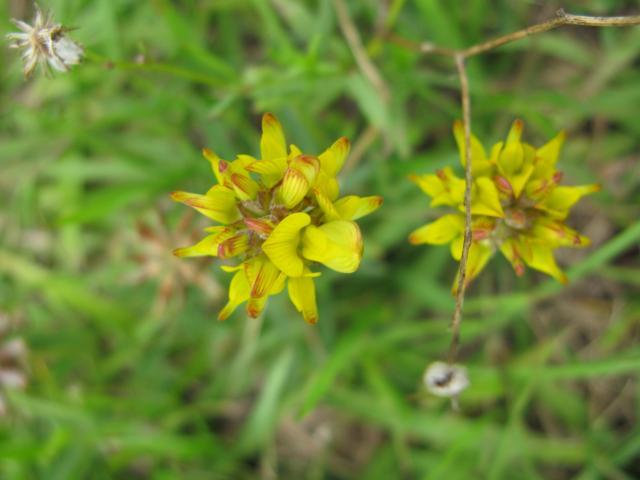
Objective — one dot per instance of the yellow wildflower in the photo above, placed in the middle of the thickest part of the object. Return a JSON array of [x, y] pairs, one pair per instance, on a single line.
[[517, 205], [279, 214]]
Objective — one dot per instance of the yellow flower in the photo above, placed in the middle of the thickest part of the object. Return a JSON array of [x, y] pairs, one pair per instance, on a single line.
[[279, 214], [517, 205]]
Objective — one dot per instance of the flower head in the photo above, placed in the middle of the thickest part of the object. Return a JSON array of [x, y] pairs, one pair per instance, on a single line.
[[279, 215], [45, 43], [517, 205], [445, 379]]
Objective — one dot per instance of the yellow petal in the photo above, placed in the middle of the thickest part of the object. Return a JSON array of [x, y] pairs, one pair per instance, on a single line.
[[327, 207], [218, 204], [233, 246], [282, 245], [547, 155], [214, 160], [561, 199], [246, 159], [444, 187], [294, 188], [512, 155], [512, 250], [554, 233], [272, 143], [278, 285], [479, 163], [240, 164], [540, 186], [245, 187], [207, 246], [515, 133], [294, 151], [479, 255], [238, 293], [302, 292], [327, 185], [495, 153], [298, 179], [485, 199], [353, 207], [308, 165], [262, 274], [442, 231], [337, 244], [271, 171], [541, 258], [520, 179], [332, 159], [255, 306]]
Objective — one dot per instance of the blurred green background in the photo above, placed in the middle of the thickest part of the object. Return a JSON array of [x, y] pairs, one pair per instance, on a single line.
[[129, 374]]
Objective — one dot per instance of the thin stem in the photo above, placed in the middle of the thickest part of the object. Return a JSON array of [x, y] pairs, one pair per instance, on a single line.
[[468, 179], [366, 66], [512, 37], [155, 68], [560, 19], [360, 147]]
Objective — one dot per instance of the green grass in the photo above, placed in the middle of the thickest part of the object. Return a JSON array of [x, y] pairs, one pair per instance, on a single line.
[[131, 376]]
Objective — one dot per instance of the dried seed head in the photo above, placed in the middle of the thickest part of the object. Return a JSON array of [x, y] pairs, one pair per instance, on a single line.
[[446, 380], [46, 44]]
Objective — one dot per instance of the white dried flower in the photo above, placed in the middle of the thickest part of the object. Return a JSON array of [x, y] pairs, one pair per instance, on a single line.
[[446, 380], [45, 43]]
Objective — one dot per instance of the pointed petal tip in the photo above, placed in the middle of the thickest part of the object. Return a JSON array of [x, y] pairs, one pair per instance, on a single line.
[[344, 142], [253, 311], [269, 119], [581, 241], [413, 240], [311, 320], [377, 200], [415, 178], [178, 196], [515, 132]]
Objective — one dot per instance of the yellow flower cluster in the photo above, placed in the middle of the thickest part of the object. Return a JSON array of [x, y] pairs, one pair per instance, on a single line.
[[279, 214], [517, 205]]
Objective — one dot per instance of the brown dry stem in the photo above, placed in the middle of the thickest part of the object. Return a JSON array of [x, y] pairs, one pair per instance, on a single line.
[[468, 180]]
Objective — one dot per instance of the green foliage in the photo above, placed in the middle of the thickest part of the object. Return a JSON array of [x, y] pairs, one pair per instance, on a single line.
[[130, 374]]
